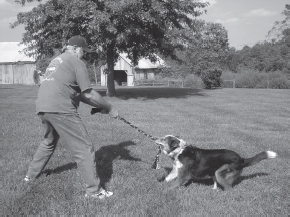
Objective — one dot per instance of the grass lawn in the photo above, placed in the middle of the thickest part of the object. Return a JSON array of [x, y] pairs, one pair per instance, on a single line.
[[247, 121]]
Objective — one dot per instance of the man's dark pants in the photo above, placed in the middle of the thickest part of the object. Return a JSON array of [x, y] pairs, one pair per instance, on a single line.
[[72, 129]]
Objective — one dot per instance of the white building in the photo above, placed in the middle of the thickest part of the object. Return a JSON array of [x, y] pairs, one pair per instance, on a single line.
[[15, 67], [126, 74]]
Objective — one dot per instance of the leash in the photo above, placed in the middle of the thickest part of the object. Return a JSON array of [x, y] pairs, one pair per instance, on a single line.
[[155, 164], [133, 126]]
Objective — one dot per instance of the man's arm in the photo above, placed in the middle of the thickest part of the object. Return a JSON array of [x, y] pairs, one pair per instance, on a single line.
[[93, 98]]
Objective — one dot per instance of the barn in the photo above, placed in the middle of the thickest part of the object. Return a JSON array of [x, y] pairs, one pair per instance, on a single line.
[[126, 74], [15, 67]]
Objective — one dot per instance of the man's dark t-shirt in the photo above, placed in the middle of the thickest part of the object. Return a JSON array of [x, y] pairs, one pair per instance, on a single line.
[[64, 79]]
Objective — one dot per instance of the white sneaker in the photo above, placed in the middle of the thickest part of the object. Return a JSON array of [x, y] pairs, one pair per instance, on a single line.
[[101, 195]]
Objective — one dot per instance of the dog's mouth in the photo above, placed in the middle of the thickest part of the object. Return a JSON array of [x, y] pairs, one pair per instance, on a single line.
[[158, 142], [173, 149], [165, 149], [165, 152], [170, 145], [161, 146]]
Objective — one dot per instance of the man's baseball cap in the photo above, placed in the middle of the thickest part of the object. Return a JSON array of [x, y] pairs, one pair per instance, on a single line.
[[79, 41]]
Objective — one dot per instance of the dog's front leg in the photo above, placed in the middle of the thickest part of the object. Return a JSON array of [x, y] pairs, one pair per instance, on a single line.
[[215, 185], [172, 175]]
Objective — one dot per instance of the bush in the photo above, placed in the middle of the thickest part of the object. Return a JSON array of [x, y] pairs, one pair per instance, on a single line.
[[228, 75], [193, 81], [255, 79], [248, 79], [228, 79], [212, 78], [278, 80]]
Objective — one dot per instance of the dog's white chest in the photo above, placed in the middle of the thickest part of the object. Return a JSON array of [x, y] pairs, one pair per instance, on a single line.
[[174, 173], [177, 164]]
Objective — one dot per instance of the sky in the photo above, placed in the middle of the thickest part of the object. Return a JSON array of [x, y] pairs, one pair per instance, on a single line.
[[247, 21]]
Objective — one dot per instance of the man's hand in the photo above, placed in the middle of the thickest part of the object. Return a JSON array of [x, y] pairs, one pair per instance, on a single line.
[[114, 113], [96, 110], [93, 98]]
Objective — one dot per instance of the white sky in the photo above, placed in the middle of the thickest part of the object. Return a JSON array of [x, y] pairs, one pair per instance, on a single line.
[[247, 21]]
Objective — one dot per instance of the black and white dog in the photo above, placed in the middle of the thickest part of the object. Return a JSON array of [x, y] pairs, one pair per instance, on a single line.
[[190, 163]]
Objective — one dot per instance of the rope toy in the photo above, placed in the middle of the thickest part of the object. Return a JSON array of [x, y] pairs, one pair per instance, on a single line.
[[155, 164]]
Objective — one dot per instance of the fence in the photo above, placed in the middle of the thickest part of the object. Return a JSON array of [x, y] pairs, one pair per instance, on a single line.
[[169, 83], [229, 83]]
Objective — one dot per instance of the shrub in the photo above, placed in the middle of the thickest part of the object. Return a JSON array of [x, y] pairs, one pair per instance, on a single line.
[[255, 79], [247, 79], [278, 80], [193, 81], [228, 78], [212, 78], [228, 75], [228, 83]]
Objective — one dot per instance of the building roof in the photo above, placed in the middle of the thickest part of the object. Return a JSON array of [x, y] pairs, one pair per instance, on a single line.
[[10, 53], [144, 63]]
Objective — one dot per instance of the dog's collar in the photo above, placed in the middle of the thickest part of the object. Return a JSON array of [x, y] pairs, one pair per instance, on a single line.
[[183, 144], [180, 151]]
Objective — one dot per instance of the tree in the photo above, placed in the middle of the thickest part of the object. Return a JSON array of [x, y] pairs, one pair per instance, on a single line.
[[233, 60], [269, 56], [140, 28], [209, 49], [205, 54], [261, 57], [276, 33]]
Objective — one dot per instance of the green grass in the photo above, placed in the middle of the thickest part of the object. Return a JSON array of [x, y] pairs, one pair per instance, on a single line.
[[245, 120]]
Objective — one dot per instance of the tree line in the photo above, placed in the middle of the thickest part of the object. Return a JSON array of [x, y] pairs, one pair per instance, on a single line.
[[143, 28], [208, 55], [266, 56]]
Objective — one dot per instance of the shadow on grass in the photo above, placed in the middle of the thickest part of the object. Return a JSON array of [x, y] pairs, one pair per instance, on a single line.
[[209, 181], [146, 93], [251, 176], [104, 161], [59, 169], [105, 157]]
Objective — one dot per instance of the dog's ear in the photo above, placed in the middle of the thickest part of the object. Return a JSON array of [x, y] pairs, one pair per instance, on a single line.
[[177, 137]]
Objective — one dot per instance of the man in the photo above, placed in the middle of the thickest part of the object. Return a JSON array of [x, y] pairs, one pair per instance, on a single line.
[[65, 83]]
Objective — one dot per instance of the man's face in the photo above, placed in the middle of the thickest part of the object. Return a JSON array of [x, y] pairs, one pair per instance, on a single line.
[[79, 52]]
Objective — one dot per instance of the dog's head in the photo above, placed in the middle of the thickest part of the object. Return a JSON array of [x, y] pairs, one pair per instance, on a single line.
[[171, 145]]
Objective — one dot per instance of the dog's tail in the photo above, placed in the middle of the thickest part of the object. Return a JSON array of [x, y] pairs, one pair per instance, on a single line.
[[258, 157]]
